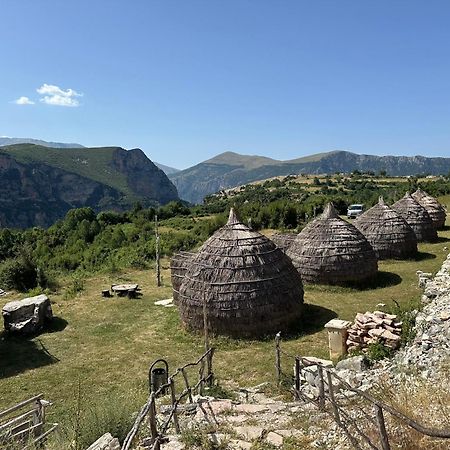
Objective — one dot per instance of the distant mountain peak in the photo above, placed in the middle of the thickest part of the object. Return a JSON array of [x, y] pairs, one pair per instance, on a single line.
[[6, 140]]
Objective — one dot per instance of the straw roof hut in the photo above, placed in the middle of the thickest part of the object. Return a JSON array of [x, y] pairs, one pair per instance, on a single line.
[[388, 232], [434, 208], [330, 250], [417, 217], [178, 265], [246, 284], [283, 240]]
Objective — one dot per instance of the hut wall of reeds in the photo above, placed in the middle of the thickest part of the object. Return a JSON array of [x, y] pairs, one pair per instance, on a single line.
[[246, 284], [417, 217], [388, 232], [283, 240], [330, 250], [434, 208], [179, 264]]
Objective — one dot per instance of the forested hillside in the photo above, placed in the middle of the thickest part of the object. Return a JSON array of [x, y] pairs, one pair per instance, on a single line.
[[40, 184]]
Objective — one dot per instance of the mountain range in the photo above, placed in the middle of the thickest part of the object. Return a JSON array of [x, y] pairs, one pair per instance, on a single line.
[[39, 184], [6, 140], [231, 169]]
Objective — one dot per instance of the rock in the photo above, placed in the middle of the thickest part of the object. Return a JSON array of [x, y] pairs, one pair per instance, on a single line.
[[106, 442], [249, 432], [275, 439], [250, 408], [355, 363], [27, 316], [444, 315], [237, 444]]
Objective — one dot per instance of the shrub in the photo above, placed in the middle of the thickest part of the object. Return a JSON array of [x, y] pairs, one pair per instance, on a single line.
[[21, 274]]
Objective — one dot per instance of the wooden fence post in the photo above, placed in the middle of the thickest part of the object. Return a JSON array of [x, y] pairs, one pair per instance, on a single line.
[[278, 357], [297, 377], [384, 439], [188, 388], [157, 256], [174, 405], [152, 418], [337, 417], [321, 388], [201, 373], [209, 368]]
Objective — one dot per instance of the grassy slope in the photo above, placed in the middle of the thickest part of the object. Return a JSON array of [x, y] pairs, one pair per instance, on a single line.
[[93, 163], [108, 345]]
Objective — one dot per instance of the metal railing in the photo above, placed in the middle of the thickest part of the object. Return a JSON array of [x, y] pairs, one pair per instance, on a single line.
[[205, 378]]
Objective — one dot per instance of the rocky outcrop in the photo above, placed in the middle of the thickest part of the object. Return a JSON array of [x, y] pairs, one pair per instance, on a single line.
[[40, 184], [27, 316], [106, 442]]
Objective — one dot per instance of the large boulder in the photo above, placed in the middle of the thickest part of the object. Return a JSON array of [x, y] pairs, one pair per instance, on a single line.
[[27, 316]]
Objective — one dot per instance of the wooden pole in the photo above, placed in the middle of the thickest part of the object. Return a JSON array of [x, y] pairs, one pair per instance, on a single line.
[[205, 325], [158, 262], [209, 367], [278, 357], [188, 388], [297, 377], [201, 376], [321, 388], [174, 405], [337, 417], [384, 439], [152, 418]]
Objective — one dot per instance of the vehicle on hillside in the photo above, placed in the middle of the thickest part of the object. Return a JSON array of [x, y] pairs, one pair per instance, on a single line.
[[355, 211]]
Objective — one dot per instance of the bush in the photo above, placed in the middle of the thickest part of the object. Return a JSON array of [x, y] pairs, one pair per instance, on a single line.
[[21, 274]]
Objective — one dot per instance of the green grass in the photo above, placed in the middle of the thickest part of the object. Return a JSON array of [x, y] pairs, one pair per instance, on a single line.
[[107, 345], [93, 163]]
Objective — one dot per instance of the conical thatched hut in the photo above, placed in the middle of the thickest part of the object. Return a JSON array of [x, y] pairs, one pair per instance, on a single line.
[[434, 208], [417, 217], [330, 250], [246, 284], [387, 231], [283, 240], [179, 264]]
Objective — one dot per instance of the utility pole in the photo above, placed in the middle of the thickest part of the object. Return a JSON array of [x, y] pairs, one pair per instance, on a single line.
[[158, 264]]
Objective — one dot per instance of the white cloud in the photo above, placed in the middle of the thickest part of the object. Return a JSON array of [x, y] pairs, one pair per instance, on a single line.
[[54, 95], [23, 101]]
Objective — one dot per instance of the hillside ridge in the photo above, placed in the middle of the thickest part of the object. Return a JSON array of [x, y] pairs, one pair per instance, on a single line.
[[230, 169]]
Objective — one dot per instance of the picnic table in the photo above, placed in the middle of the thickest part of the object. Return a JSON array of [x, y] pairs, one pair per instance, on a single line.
[[125, 289]]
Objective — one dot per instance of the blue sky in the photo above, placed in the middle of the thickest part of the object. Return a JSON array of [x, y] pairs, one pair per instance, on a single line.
[[187, 79]]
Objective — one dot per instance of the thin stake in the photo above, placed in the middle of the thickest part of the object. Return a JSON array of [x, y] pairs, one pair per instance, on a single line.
[[337, 417], [384, 439], [158, 262], [297, 377], [321, 388], [152, 417], [278, 356], [174, 405]]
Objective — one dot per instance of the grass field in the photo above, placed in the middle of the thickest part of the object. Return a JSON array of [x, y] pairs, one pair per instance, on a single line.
[[105, 346]]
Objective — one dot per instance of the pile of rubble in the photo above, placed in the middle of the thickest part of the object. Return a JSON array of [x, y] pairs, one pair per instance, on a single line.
[[370, 328]]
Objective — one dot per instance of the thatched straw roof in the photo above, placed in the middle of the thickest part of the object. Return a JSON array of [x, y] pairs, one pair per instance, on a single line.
[[178, 265], [283, 240], [330, 250], [434, 208], [417, 217], [247, 284], [388, 232]]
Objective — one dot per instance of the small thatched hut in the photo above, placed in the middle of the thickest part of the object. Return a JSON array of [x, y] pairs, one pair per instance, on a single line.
[[283, 240], [178, 265], [417, 217], [434, 208], [246, 284], [330, 250], [387, 231]]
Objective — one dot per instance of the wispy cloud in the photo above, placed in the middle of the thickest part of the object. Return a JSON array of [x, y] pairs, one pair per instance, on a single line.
[[23, 101], [54, 95]]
